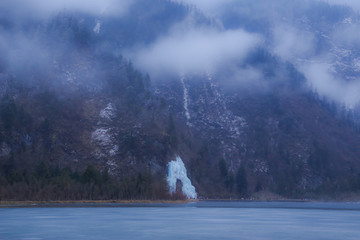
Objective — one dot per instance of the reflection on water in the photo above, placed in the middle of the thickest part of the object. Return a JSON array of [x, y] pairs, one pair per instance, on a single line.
[[203, 220]]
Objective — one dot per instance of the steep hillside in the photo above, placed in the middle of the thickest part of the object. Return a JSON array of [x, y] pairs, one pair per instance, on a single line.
[[79, 120], [284, 140]]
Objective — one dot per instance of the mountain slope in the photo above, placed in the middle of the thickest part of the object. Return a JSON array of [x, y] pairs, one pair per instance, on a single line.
[[79, 120]]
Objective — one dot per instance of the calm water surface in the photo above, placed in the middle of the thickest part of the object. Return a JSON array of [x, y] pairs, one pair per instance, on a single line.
[[203, 220]]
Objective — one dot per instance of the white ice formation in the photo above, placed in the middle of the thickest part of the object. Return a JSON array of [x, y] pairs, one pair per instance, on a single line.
[[177, 171]]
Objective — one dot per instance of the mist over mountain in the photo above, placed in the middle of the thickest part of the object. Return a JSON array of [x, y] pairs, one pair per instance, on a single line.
[[254, 99]]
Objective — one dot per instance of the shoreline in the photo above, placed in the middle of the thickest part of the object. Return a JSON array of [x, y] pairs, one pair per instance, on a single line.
[[59, 203], [146, 203]]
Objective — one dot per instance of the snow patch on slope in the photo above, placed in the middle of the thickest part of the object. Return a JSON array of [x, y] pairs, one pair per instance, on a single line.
[[70, 77], [114, 150], [177, 171], [347, 21], [97, 27], [108, 112], [5, 150], [102, 136]]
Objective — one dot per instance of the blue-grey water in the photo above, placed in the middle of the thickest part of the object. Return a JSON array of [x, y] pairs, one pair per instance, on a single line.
[[202, 220]]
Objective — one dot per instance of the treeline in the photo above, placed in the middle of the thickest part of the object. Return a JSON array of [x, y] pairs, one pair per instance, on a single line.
[[287, 181], [234, 183], [348, 116], [46, 183]]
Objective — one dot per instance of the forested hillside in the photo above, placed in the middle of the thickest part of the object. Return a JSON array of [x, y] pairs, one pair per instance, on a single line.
[[95, 104]]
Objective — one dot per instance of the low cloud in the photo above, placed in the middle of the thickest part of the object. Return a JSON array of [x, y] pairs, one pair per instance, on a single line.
[[207, 6], [347, 34], [320, 78], [19, 52], [355, 4], [292, 43], [248, 78], [195, 51], [187, 49], [44, 8]]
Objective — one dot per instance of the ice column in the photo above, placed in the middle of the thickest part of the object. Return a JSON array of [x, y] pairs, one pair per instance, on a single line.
[[177, 171]]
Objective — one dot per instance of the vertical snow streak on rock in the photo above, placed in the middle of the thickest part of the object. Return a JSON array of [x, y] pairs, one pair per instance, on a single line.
[[186, 99], [177, 171]]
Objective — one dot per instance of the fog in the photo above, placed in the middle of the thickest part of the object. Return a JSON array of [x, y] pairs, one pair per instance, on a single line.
[[45, 8], [328, 85], [195, 51], [351, 3], [291, 43], [293, 36], [320, 41], [208, 6]]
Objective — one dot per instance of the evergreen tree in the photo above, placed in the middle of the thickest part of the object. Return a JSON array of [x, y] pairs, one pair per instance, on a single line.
[[241, 181]]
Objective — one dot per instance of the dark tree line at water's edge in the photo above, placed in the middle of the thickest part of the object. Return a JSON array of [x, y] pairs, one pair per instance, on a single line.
[[54, 184]]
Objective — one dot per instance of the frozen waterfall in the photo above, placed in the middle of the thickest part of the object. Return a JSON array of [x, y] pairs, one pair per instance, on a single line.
[[177, 171]]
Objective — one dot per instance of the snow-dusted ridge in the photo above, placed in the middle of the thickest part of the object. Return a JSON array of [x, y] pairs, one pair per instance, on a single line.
[[177, 171]]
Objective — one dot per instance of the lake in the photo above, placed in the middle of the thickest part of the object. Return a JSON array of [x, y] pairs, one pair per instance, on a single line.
[[198, 220]]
